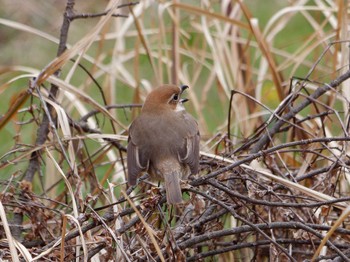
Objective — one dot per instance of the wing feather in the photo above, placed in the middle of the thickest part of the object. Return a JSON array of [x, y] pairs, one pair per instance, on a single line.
[[189, 152], [137, 158]]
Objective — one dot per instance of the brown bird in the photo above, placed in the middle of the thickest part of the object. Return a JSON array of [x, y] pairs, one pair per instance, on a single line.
[[164, 141]]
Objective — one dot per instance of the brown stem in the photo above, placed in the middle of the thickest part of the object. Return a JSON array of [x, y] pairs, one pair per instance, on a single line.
[[293, 110], [44, 128]]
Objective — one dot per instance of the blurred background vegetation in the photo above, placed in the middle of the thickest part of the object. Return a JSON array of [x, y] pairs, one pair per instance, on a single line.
[[219, 49], [253, 47]]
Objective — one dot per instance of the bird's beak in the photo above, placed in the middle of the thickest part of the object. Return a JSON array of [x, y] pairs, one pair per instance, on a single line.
[[183, 88], [183, 100]]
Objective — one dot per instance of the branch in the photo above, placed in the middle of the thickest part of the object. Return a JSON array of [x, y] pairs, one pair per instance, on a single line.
[[293, 110], [43, 130]]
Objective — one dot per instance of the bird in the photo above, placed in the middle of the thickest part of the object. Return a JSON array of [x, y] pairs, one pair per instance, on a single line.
[[164, 141]]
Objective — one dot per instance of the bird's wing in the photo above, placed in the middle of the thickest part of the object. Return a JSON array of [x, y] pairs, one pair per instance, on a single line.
[[137, 159], [189, 152]]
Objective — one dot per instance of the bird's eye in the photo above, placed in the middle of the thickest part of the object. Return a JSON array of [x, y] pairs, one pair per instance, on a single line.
[[176, 97]]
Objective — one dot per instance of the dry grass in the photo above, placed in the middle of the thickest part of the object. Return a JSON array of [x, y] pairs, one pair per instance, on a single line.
[[269, 88]]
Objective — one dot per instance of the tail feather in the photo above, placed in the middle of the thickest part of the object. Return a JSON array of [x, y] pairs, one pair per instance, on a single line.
[[173, 188]]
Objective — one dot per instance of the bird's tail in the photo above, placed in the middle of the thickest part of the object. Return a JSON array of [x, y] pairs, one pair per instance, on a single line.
[[173, 188]]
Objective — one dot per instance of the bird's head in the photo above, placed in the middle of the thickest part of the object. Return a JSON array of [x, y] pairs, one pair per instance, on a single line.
[[165, 98]]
